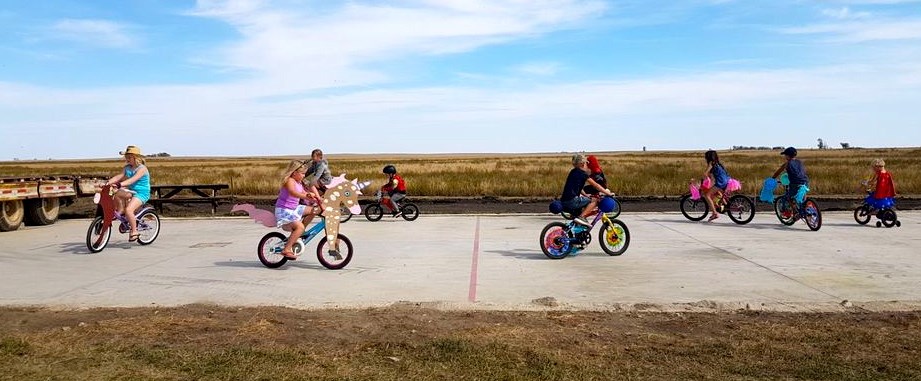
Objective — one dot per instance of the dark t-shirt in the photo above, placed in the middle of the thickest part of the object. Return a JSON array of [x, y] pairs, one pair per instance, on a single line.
[[600, 179], [574, 183], [796, 172]]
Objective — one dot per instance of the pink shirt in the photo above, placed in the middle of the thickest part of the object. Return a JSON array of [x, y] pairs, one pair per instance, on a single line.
[[286, 200]]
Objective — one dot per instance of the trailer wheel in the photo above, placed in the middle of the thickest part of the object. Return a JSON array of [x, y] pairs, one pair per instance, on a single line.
[[42, 211], [11, 213]]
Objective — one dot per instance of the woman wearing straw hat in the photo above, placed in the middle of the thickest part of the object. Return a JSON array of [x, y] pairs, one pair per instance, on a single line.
[[134, 184]]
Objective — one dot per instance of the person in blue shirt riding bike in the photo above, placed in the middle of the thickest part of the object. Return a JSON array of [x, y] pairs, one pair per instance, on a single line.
[[719, 179], [134, 184], [574, 197], [796, 172]]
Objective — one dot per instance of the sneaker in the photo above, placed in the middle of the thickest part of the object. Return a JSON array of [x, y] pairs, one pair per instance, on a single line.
[[397, 214], [581, 221], [335, 254]]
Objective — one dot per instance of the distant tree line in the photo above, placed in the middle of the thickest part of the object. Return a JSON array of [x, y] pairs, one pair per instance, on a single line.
[[161, 154], [753, 148]]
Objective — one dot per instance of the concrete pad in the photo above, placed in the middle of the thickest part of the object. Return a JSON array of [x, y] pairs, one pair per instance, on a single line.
[[480, 262]]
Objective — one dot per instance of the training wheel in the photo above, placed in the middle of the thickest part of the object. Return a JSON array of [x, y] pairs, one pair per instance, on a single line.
[[898, 224], [879, 224]]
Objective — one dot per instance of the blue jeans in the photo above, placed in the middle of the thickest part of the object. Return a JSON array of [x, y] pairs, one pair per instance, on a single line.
[[576, 204]]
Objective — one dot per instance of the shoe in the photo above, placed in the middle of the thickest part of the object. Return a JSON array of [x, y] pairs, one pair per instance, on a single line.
[[713, 217], [335, 254], [397, 214], [289, 255], [133, 237], [581, 221]]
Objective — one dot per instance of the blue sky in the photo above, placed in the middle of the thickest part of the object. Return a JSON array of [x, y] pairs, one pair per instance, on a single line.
[[83, 79]]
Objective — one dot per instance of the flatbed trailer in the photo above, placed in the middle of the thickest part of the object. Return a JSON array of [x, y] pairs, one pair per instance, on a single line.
[[37, 200]]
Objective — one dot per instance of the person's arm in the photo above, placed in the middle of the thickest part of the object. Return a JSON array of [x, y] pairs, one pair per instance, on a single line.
[[137, 176], [600, 188], [707, 172], [115, 179], [779, 170]]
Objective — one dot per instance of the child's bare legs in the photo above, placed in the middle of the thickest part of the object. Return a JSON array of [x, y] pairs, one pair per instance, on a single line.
[[297, 228], [590, 208], [709, 198], [121, 200], [309, 214], [132, 207]]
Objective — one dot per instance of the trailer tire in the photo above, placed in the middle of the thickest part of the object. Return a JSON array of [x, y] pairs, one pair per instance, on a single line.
[[11, 214], [42, 211]]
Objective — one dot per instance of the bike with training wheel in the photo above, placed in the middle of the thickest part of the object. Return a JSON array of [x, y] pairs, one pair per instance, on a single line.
[[559, 240], [100, 230], [882, 208]]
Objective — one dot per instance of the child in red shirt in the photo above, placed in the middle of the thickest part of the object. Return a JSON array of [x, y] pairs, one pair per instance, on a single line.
[[394, 190]]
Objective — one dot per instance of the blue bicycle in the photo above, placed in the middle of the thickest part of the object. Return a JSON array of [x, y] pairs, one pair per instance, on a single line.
[[272, 244]]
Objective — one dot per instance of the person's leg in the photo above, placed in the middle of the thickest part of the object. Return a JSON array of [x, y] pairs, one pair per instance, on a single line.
[[395, 199], [589, 208], [121, 200], [708, 196], [297, 228], [386, 202], [132, 207]]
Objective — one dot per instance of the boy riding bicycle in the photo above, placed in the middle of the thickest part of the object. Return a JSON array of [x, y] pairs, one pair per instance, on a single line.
[[796, 172]]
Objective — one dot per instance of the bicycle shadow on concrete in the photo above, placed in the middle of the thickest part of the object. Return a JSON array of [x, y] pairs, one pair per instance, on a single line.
[[79, 248], [728, 223], [520, 254], [299, 264]]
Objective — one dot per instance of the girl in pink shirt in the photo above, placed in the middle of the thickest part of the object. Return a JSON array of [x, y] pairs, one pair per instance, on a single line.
[[289, 212]]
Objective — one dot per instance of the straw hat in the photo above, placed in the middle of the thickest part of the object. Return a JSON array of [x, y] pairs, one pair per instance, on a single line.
[[134, 150]]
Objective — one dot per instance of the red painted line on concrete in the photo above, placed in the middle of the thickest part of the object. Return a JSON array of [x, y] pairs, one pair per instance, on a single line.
[[471, 295]]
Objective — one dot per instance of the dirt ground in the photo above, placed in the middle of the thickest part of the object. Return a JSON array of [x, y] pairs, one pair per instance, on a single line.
[[412, 343], [84, 207]]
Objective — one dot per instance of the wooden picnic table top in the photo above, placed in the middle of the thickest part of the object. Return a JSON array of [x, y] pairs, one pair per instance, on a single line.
[[190, 186]]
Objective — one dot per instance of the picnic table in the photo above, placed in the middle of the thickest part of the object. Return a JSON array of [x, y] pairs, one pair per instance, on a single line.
[[196, 193]]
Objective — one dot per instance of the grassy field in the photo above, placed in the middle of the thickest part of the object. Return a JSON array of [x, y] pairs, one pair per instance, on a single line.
[[832, 172], [217, 343]]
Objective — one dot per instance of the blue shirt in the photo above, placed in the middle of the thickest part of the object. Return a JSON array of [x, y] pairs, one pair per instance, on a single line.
[[720, 176], [140, 187], [574, 183], [796, 172]]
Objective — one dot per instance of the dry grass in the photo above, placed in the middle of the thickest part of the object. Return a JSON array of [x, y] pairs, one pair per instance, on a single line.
[[832, 172], [213, 343]]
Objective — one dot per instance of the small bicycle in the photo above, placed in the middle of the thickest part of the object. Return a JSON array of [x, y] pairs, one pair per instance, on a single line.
[[272, 244], [375, 210], [803, 208], [739, 208], [99, 232], [883, 209], [559, 240]]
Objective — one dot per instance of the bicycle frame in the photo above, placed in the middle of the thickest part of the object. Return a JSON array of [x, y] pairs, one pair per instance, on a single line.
[[314, 231]]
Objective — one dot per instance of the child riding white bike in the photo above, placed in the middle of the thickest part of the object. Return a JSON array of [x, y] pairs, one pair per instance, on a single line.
[[134, 184]]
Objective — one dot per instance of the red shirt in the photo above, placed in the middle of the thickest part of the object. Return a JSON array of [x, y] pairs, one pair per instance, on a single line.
[[400, 187], [884, 186]]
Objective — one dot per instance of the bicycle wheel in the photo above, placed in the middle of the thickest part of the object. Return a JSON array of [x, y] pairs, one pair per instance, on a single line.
[[812, 215], [615, 238], [148, 227], [269, 250], [694, 210], [410, 211], [374, 212], [554, 241], [616, 212], [335, 262], [888, 218], [97, 237], [741, 209], [862, 214], [344, 215], [784, 211]]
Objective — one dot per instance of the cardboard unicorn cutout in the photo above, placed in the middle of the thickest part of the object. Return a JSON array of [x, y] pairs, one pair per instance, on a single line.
[[339, 193]]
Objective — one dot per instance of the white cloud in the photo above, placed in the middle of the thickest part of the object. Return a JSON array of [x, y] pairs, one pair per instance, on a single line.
[[844, 13], [97, 33], [862, 31], [539, 68], [302, 47]]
